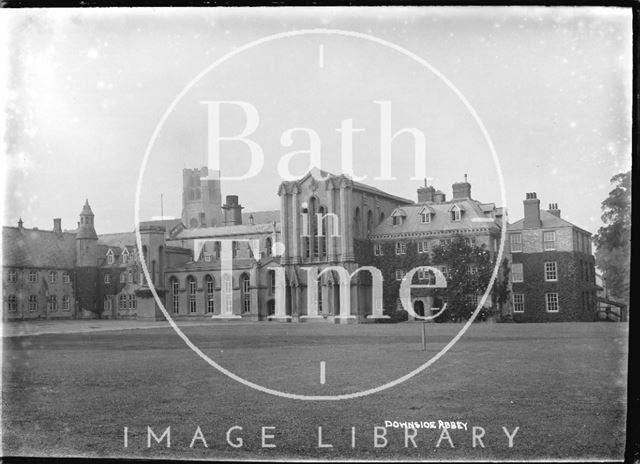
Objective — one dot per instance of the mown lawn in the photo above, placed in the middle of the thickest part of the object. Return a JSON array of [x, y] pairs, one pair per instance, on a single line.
[[563, 385]]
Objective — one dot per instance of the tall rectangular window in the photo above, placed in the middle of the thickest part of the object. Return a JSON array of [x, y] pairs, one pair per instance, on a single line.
[[423, 246], [549, 240], [516, 243], [52, 303], [399, 274], [65, 303], [552, 302], [12, 276], [33, 276], [12, 303], [517, 272], [518, 303], [53, 277], [377, 249], [33, 302], [551, 271]]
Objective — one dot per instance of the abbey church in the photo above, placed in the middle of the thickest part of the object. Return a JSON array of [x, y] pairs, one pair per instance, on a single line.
[[325, 223]]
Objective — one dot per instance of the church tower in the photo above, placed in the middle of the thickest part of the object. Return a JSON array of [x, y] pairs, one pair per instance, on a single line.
[[201, 198]]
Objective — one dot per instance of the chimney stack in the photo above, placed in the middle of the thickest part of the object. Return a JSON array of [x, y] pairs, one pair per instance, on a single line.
[[57, 225], [553, 209], [532, 211], [20, 223], [232, 211], [439, 196], [461, 189], [425, 194]]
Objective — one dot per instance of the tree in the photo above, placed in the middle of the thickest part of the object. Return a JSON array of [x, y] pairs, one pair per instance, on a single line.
[[469, 272], [613, 240]]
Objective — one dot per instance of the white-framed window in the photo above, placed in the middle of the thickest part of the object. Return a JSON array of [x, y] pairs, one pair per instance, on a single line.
[[110, 256], [517, 273], [12, 303], [518, 303], [516, 243], [53, 277], [12, 276], [229, 295], [207, 257], [444, 269], [549, 240], [33, 303], [427, 275], [425, 217], [552, 302], [65, 303], [33, 276], [175, 298], [122, 301], [106, 304], [52, 303], [210, 286], [191, 287], [401, 248], [107, 278], [377, 249], [399, 274], [234, 249], [423, 246], [472, 269], [244, 291], [66, 278], [125, 256], [134, 302], [551, 271], [470, 241], [456, 213]]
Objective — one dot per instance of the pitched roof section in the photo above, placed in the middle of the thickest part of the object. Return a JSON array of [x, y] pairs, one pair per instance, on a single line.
[[243, 229], [261, 217], [38, 248], [548, 221], [119, 240], [440, 219], [356, 185]]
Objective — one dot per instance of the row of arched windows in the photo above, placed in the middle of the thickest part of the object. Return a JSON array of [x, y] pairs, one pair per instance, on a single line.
[[191, 287]]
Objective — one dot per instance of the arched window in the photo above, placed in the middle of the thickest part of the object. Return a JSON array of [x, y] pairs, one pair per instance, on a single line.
[[369, 221], [313, 222], [381, 218], [245, 295], [322, 239], [356, 223], [268, 245], [191, 288], [174, 288], [209, 287]]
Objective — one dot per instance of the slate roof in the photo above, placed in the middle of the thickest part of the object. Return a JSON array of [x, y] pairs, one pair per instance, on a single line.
[[118, 240], [38, 248], [261, 217], [243, 229], [548, 221], [440, 221], [171, 225]]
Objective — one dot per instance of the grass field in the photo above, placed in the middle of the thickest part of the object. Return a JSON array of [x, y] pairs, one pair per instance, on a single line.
[[563, 385]]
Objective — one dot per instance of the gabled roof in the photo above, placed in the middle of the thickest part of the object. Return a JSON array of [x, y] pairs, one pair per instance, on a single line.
[[427, 209], [38, 248], [355, 185], [440, 219], [399, 212], [118, 240], [548, 221]]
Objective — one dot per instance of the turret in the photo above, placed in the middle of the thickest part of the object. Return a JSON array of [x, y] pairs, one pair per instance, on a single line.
[[86, 239]]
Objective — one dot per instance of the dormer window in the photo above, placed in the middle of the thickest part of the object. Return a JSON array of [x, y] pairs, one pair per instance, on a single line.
[[110, 256], [125, 256], [425, 215], [398, 216], [456, 213]]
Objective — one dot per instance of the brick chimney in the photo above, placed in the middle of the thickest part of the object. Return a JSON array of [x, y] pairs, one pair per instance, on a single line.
[[439, 197], [532, 211], [553, 209], [461, 189], [20, 223], [425, 193], [57, 225]]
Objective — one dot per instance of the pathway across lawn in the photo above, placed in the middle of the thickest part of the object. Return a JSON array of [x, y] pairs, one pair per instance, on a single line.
[[559, 390]]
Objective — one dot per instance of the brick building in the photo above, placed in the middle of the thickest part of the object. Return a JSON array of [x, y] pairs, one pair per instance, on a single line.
[[553, 270]]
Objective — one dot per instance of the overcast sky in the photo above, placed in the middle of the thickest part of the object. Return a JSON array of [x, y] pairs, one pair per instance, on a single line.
[[87, 88]]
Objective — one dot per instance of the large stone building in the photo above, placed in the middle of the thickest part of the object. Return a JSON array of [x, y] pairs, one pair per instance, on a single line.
[[308, 252]]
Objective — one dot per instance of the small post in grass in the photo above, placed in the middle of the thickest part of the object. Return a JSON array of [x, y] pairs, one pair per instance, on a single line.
[[424, 335]]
